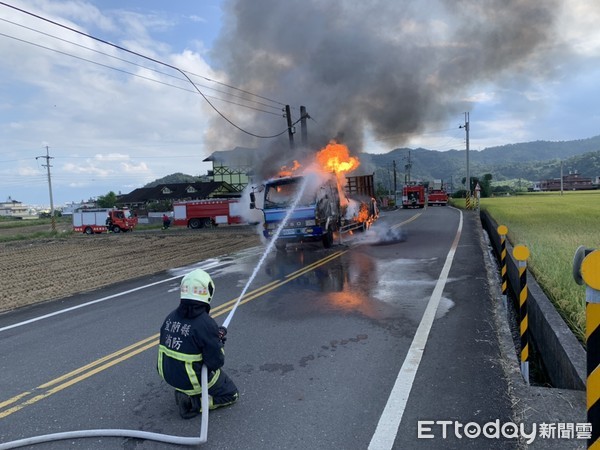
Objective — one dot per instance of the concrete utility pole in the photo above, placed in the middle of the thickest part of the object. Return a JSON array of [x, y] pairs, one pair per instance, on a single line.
[[288, 116], [466, 127], [561, 178], [395, 179], [303, 129], [407, 170], [47, 166]]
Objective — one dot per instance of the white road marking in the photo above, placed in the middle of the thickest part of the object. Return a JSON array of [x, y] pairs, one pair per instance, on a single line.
[[210, 265], [387, 428]]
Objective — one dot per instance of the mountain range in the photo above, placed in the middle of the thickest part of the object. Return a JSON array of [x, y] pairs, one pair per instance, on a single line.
[[526, 162]]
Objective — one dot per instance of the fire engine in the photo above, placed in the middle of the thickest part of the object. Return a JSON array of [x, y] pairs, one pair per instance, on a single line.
[[103, 220], [437, 195], [206, 213], [413, 195]]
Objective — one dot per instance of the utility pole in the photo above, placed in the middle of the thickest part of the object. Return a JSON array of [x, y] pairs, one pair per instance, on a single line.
[[47, 166], [407, 170], [395, 180], [561, 178], [288, 116], [395, 184], [466, 127], [303, 129]]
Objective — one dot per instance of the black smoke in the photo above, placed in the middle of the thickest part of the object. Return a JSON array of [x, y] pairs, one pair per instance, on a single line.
[[393, 67]]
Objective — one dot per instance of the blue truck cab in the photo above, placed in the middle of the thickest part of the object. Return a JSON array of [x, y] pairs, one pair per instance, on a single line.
[[316, 215]]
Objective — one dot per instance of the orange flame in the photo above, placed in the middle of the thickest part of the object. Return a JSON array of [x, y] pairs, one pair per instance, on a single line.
[[286, 171], [363, 213], [336, 158]]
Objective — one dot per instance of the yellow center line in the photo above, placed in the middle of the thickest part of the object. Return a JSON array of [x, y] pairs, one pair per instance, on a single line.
[[415, 217], [125, 353]]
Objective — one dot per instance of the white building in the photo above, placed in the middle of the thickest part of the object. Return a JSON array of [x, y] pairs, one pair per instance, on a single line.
[[13, 208]]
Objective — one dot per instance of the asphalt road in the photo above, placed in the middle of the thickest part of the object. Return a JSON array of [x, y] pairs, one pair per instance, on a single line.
[[343, 348]]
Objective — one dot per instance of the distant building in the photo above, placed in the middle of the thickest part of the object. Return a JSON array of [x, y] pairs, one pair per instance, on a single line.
[[571, 182], [14, 208], [140, 198], [233, 166], [70, 208]]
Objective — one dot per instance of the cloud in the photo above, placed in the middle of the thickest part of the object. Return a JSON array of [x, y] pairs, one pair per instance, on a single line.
[[198, 19], [26, 171], [88, 101], [87, 169], [140, 168], [111, 157]]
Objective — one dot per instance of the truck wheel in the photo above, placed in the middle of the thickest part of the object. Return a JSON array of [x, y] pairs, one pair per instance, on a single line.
[[88, 230], [195, 223], [280, 245], [116, 229], [328, 239], [207, 223]]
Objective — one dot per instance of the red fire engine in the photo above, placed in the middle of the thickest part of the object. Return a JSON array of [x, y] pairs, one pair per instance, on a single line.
[[206, 213], [413, 196]]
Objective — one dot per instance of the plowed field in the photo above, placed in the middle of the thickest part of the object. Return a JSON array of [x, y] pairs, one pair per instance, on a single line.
[[39, 270]]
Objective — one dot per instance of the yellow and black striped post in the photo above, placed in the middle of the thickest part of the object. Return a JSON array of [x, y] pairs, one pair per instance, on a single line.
[[502, 232], [590, 274], [521, 254], [468, 200]]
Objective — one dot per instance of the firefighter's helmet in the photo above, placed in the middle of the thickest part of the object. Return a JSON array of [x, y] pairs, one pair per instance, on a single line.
[[197, 285]]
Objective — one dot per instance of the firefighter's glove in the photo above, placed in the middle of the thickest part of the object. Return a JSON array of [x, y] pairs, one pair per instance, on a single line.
[[222, 334]]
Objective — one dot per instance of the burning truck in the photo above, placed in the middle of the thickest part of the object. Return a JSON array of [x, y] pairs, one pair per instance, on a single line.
[[323, 203]]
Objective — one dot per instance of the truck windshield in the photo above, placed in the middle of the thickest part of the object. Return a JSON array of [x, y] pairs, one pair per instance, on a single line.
[[283, 194]]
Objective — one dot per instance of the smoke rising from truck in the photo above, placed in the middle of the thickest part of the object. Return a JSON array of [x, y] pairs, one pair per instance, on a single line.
[[393, 68]]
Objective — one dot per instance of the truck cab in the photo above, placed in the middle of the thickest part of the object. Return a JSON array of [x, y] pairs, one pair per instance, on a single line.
[[316, 215]]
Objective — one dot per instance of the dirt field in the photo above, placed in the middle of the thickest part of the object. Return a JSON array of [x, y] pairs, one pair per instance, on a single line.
[[38, 270]]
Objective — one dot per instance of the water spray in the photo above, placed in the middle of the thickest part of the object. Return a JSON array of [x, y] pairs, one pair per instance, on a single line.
[[268, 249], [169, 439]]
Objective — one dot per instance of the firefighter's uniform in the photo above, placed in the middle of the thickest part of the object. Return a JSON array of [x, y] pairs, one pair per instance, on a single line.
[[189, 337]]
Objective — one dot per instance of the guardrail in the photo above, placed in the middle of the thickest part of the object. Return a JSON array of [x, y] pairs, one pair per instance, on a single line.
[[562, 354]]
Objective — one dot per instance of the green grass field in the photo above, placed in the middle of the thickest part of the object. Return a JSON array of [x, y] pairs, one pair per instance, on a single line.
[[553, 226]]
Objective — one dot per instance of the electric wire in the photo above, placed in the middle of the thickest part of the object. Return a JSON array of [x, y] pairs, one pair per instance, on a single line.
[[140, 66], [135, 74], [89, 36]]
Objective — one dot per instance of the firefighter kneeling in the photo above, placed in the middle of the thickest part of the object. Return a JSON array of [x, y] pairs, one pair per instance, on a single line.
[[189, 337]]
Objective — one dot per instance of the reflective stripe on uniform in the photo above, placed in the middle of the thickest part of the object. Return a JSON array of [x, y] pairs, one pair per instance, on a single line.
[[189, 361]]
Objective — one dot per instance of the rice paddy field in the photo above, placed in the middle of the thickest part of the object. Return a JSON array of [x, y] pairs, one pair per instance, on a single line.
[[553, 226]]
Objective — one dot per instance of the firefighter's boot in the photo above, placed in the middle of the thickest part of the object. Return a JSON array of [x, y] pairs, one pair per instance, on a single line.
[[186, 405]]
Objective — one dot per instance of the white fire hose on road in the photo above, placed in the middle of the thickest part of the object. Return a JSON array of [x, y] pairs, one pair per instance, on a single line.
[[128, 433], [169, 439]]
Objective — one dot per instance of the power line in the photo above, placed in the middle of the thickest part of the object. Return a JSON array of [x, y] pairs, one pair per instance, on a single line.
[[149, 59], [279, 104], [141, 76]]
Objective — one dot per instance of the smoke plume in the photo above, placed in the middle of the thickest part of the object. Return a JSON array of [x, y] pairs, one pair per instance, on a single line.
[[391, 67]]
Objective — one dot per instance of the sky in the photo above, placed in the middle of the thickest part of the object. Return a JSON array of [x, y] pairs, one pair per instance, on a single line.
[[184, 79]]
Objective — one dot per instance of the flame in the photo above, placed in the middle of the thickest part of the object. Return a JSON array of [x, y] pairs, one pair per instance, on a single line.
[[286, 171], [336, 158], [363, 213]]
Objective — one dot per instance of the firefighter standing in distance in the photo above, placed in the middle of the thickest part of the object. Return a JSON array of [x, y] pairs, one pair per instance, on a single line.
[[189, 337]]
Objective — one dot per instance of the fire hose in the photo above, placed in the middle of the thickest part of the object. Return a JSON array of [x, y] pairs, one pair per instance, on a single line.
[[169, 439], [137, 434]]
